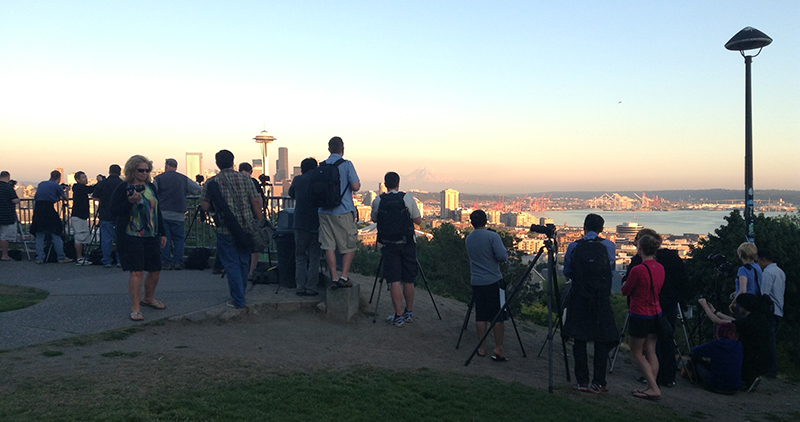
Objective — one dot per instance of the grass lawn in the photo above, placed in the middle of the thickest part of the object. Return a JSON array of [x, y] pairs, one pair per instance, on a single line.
[[18, 297], [363, 394]]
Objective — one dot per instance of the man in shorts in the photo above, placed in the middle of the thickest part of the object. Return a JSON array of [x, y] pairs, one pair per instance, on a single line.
[[396, 221], [486, 251], [8, 214], [80, 215], [337, 226]]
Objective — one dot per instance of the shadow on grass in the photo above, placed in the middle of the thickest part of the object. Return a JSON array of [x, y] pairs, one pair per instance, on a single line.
[[18, 297]]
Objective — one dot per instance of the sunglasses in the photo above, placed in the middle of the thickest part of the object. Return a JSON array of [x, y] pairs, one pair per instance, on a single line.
[[143, 170]]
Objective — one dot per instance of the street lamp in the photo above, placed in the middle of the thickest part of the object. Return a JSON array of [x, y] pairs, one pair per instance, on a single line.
[[748, 39]]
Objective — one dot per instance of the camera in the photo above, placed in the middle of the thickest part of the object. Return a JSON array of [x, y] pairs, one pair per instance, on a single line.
[[548, 230], [12, 182], [199, 179], [721, 264], [264, 179], [135, 188]]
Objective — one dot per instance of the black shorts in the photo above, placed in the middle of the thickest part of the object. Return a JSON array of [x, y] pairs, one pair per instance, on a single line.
[[399, 262], [639, 327], [139, 253], [488, 301]]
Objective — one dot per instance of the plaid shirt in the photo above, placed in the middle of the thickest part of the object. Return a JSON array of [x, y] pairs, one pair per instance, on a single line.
[[238, 190]]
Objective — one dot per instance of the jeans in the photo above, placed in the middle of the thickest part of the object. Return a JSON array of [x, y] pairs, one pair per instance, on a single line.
[[306, 255], [172, 252], [601, 350], [107, 241], [58, 245], [236, 263]]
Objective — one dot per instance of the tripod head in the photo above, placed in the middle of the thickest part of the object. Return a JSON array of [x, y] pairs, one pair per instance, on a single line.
[[548, 230]]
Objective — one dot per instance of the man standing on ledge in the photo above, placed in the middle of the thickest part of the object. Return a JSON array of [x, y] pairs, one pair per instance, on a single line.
[[238, 193], [46, 221], [8, 214], [589, 263], [337, 226], [396, 213], [171, 188], [486, 251]]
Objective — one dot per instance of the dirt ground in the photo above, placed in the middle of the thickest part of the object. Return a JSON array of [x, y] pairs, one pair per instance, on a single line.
[[281, 342]]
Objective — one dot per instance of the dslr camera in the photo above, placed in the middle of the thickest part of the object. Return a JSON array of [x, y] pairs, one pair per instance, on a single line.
[[135, 188]]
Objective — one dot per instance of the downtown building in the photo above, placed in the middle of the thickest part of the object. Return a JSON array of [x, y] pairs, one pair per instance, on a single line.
[[449, 204]]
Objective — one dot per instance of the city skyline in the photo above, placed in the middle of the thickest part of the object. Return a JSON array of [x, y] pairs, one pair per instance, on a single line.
[[504, 97]]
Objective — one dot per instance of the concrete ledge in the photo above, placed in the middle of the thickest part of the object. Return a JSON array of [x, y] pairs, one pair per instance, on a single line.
[[342, 304]]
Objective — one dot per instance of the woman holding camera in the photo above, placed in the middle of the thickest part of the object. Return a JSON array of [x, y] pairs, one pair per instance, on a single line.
[[643, 286], [140, 233]]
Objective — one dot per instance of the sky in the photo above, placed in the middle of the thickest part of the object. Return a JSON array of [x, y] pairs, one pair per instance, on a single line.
[[510, 96]]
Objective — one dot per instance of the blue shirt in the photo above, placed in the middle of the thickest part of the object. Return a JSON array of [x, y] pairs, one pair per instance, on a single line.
[[751, 277], [49, 191], [486, 251], [589, 236], [347, 176]]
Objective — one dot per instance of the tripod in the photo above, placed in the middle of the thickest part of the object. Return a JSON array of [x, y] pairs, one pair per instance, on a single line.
[[94, 230], [21, 235], [377, 301], [466, 322]]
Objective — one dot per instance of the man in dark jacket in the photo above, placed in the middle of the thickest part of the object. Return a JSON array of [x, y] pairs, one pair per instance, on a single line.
[[306, 232], [46, 221], [103, 191], [172, 188]]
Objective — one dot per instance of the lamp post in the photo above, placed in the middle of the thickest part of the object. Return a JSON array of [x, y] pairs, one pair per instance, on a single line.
[[748, 39]]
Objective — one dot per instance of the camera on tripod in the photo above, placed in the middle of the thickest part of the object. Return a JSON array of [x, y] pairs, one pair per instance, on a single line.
[[135, 188], [548, 230], [264, 179], [721, 264]]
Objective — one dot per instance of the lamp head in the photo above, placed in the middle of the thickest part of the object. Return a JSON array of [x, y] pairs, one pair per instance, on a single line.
[[748, 38]]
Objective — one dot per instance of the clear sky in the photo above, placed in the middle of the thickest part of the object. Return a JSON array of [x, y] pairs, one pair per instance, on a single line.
[[526, 96]]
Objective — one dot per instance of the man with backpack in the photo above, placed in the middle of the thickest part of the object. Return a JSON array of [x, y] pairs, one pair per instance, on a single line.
[[332, 187], [396, 213], [589, 263]]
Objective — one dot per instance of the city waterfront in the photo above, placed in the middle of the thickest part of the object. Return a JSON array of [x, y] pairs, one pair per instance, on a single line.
[[673, 222]]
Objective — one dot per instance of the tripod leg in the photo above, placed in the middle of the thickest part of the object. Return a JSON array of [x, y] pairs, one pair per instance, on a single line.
[[466, 320], [425, 279], [377, 273], [514, 324], [377, 301], [616, 349]]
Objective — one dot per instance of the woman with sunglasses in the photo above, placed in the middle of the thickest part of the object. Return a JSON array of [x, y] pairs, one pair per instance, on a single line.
[[140, 233]]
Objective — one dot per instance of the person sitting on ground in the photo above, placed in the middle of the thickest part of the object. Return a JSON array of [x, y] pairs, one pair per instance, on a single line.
[[749, 274], [486, 251], [643, 286], [396, 213], [753, 331], [718, 363]]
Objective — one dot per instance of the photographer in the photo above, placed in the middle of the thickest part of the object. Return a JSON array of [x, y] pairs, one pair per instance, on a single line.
[[46, 221], [8, 214], [752, 329], [80, 215]]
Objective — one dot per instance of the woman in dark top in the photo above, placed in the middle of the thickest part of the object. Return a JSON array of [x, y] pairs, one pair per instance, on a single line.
[[140, 233]]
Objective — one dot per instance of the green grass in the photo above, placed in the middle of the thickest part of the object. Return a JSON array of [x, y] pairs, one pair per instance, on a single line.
[[119, 354], [18, 297], [355, 395], [52, 353]]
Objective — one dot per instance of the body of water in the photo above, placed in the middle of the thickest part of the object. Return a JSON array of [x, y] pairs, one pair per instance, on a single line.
[[668, 222]]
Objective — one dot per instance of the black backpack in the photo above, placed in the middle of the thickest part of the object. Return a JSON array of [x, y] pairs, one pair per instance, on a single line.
[[591, 271], [767, 305], [325, 184], [394, 220]]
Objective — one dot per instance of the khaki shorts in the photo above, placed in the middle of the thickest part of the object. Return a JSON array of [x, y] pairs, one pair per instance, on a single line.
[[8, 232], [338, 232], [80, 229]]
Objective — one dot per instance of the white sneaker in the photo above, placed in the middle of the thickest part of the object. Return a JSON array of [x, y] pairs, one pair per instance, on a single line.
[[398, 321], [82, 261]]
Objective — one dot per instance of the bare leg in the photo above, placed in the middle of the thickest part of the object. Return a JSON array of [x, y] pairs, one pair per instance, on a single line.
[[499, 331], [330, 259], [4, 250], [652, 359], [637, 350], [408, 293], [397, 297], [135, 289], [347, 259], [78, 250], [150, 283], [481, 327], [253, 263]]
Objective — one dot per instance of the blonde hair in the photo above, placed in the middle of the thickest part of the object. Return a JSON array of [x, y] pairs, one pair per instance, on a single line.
[[747, 251], [132, 164]]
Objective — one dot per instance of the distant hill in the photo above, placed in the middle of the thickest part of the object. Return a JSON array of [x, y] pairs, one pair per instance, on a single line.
[[792, 196]]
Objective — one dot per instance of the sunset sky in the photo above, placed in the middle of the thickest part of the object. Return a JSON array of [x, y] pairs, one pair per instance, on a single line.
[[514, 96]]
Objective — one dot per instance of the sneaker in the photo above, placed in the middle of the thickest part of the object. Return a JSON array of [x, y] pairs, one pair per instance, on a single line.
[[598, 389], [583, 388], [106, 265], [342, 283], [408, 316], [178, 267], [39, 261], [82, 261], [166, 267], [64, 261], [754, 385], [398, 321]]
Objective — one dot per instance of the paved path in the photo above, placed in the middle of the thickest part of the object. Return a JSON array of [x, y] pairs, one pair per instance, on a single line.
[[93, 299]]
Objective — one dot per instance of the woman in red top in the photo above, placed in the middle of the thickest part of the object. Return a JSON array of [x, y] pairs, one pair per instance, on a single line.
[[643, 286]]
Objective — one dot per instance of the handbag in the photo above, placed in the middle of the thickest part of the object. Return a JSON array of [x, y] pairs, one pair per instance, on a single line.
[[240, 236], [662, 324]]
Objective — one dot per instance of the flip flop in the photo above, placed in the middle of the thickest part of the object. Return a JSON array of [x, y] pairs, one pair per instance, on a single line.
[[498, 358], [481, 355], [154, 305], [136, 316], [643, 395], [9, 259]]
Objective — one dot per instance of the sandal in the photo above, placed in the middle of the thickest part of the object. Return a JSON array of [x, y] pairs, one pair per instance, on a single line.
[[155, 305], [136, 316]]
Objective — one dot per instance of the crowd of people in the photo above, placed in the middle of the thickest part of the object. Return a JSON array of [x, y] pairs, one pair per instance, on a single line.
[[145, 217]]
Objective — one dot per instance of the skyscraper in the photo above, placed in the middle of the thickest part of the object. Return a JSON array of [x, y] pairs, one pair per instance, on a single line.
[[282, 164], [449, 203], [194, 164]]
